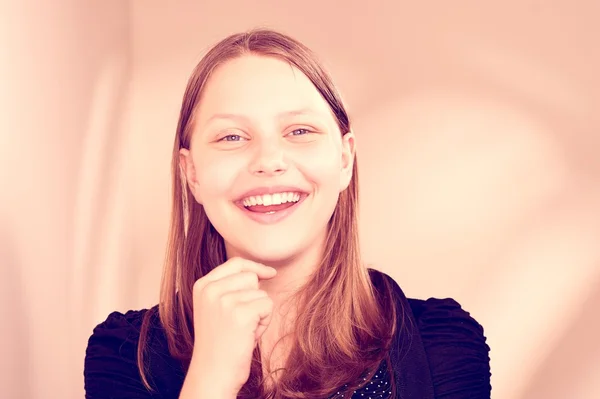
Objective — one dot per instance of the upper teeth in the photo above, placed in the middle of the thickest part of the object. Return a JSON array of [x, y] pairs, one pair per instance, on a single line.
[[271, 199]]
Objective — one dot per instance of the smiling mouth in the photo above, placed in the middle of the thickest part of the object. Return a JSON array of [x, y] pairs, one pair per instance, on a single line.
[[271, 203], [272, 208]]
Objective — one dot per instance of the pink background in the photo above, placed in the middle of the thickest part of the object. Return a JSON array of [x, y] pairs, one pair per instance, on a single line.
[[478, 131]]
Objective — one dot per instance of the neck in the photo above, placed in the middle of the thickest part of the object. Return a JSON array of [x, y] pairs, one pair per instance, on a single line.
[[292, 274], [290, 277]]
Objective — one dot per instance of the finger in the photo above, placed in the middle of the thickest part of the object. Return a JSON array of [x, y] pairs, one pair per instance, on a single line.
[[264, 311], [243, 296], [234, 266], [260, 330], [233, 283]]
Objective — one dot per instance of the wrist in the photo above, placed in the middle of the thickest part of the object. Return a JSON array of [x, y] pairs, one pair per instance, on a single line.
[[205, 389], [202, 383]]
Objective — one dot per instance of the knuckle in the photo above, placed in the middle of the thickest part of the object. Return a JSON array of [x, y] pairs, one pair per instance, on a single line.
[[209, 292], [235, 260], [240, 315], [227, 302], [198, 287], [251, 278]]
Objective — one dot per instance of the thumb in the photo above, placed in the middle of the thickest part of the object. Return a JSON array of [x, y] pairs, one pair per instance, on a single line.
[[260, 330]]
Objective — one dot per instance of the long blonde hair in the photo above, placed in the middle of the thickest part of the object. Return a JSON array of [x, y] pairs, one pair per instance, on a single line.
[[344, 329]]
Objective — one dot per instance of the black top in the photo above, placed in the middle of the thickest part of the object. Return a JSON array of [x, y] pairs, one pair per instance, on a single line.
[[440, 353]]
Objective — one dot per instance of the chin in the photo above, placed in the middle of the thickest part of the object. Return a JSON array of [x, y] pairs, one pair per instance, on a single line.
[[269, 252], [273, 256], [275, 248]]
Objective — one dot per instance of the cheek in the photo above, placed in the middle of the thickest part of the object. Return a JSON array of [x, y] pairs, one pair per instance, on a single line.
[[322, 165], [217, 176]]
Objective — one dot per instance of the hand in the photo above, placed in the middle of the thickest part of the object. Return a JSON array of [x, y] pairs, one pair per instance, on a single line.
[[230, 315]]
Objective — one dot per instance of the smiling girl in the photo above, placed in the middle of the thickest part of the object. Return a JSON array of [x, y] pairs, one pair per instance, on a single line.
[[264, 293]]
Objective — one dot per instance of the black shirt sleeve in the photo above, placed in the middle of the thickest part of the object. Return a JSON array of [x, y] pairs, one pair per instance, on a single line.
[[456, 349], [110, 369]]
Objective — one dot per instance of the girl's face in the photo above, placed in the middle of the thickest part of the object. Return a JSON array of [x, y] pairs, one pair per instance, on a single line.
[[267, 159]]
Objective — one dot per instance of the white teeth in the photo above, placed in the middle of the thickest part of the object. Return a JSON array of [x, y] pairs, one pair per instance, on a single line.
[[271, 199]]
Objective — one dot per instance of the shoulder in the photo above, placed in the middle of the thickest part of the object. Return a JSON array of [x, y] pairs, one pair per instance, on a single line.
[[119, 332], [110, 366], [456, 348], [434, 315], [119, 325], [455, 345]]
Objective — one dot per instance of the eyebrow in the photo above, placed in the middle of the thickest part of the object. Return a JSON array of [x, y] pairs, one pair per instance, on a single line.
[[243, 118]]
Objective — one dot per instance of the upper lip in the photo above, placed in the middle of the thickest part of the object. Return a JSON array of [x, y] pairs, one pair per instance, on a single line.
[[270, 190]]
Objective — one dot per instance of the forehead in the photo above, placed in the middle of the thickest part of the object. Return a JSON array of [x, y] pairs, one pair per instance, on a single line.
[[257, 87]]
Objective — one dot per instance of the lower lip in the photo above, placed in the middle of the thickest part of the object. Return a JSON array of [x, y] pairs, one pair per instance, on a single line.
[[272, 218]]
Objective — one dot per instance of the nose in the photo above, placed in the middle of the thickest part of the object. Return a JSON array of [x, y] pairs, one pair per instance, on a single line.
[[269, 159]]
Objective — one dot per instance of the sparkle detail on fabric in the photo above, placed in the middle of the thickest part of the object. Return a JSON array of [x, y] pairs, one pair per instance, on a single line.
[[378, 388]]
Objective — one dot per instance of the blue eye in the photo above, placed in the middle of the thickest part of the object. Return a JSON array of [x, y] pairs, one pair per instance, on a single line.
[[299, 132], [231, 137]]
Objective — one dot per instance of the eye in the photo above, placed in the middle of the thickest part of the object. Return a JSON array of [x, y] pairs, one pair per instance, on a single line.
[[300, 132], [231, 137]]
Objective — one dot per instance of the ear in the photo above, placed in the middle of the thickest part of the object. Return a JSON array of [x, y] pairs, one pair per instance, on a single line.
[[348, 156], [188, 171]]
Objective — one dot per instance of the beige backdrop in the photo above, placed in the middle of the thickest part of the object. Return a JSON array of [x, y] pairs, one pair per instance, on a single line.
[[478, 129]]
